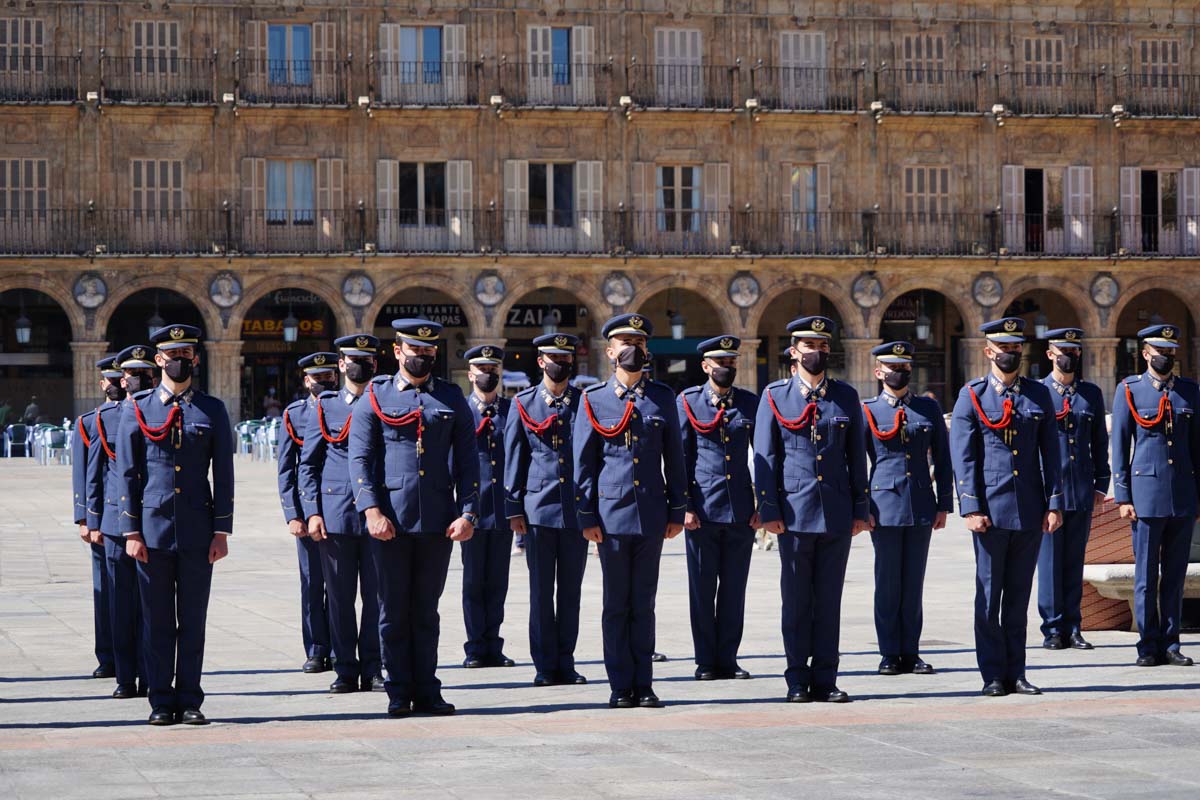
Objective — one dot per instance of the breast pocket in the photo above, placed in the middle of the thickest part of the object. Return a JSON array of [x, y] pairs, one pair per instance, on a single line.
[[835, 430]]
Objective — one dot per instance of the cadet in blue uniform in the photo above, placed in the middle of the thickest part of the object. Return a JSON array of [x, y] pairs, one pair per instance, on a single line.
[[626, 440], [486, 556], [716, 419], [1156, 454], [319, 376], [415, 474], [335, 524], [175, 524], [810, 472], [1004, 445], [1083, 451], [124, 598], [904, 430], [85, 431], [539, 476]]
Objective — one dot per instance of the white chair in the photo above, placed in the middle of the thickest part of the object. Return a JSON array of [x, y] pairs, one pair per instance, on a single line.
[[17, 435]]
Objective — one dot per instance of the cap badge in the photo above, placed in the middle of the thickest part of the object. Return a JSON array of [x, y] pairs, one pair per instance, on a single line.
[[177, 333], [1010, 325], [425, 332], [818, 324], [1168, 333], [486, 352], [1071, 335], [898, 349], [727, 344], [635, 322], [139, 353], [560, 341], [362, 342], [318, 359]]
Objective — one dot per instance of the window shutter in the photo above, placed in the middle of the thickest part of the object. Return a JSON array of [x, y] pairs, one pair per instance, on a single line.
[[454, 47], [325, 67], [386, 199], [716, 202], [254, 200], [824, 201], [1079, 209], [460, 205], [541, 82], [1131, 208], [254, 53], [641, 198], [1013, 207], [802, 69], [387, 63], [589, 190], [516, 203], [1189, 208], [331, 206], [583, 49]]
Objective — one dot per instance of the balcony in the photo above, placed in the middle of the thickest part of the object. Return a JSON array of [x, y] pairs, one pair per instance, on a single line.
[[682, 86], [933, 89], [425, 83], [310, 82], [548, 84], [159, 79], [296, 231], [39, 79], [1159, 94], [807, 88], [1050, 93]]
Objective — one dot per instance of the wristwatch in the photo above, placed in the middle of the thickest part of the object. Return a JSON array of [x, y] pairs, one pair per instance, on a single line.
[[471, 518]]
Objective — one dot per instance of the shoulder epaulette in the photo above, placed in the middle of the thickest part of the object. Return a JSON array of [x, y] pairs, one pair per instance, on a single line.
[[145, 393], [594, 387], [1132, 379]]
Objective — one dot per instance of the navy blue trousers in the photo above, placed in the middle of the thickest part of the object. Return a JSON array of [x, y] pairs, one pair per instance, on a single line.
[[174, 589], [1161, 546], [554, 555], [718, 563], [349, 570], [412, 575], [1060, 574], [630, 568], [101, 618], [314, 608], [1004, 565], [485, 561], [125, 612], [900, 557], [813, 574]]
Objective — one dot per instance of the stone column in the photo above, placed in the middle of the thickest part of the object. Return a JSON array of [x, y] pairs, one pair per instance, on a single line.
[[973, 363], [599, 365], [860, 365], [86, 379], [748, 365], [225, 375], [1100, 364]]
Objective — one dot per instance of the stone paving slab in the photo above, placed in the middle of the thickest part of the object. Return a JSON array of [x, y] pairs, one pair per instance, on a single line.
[[1103, 729]]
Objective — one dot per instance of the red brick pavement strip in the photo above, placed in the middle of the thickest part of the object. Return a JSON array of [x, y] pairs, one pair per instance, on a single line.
[[466, 725]]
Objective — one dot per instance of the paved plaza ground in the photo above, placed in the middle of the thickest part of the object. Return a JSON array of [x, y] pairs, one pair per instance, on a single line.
[[1103, 729]]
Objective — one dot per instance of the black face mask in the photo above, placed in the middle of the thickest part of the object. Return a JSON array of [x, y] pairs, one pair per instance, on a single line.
[[114, 391], [723, 376], [1008, 363], [815, 362], [1162, 364], [178, 369], [631, 359], [1067, 363], [556, 372], [897, 379], [322, 386], [137, 383], [487, 382], [359, 372], [418, 366]]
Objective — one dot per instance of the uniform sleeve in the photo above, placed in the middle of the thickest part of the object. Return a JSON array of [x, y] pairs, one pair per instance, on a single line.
[[943, 472], [517, 454], [1051, 456], [222, 471], [1194, 445], [966, 442], [673, 466], [856, 459], [312, 463], [465, 462], [289, 459], [1103, 471], [687, 436], [1122, 443], [79, 462], [365, 431], [131, 465], [93, 485], [767, 450], [585, 447]]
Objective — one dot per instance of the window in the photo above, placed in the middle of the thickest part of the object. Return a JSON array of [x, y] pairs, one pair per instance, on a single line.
[[677, 197], [290, 192], [923, 59], [560, 55], [289, 54], [678, 58], [157, 187], [552, 195], [804, 198], [23, 187], [802, 68], [420, 51], [1159, 63], [926, 190], [155, 47], [421, 194], [1044, 61], [22, 45]]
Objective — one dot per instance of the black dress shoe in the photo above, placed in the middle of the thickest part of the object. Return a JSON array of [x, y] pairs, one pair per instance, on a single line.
[[622, 699], [399, 709], [706, 674], [471, 662], [1147, 661], [125, 691], [834, 695], [544, 679], [373, 684], [1175, 658], [646, 698], [104, 671], [994, 689], [162, 716], [890, 666], [917, 666], [501, 661], [572, 679], [1079, 643], [1022, 686], [192, 716], [434, 705], [799, 695], [343, 686], [1054, 642], [737, 674], [317, 664], [657, 657]]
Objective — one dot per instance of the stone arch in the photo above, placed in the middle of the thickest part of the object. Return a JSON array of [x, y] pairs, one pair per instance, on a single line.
[[955, 289], [1067, 289], [1166, 283], [186, 285], [59, 293], [837, 293], [581, 286], [447, 281], [257, 287], [702, 284]]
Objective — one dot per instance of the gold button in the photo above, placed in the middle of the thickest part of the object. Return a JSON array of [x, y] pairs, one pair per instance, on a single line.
[[635, 461], [493, 462], [1170, 461], [177, 468], [1070, 424], [820, 478], [727, 438], [634, 415], [1169, 443], [908, 455], [728, 477], [728, 458], [907, 474], [818, 456], [562, 480], [635, 438], [636, 483], [1016, 472], [420, 472], [178, 490], [818, 437], [559, 422], [360, 480], [493, 480], [562, 461], [1014, 452], [1070, 441], [122, 497]]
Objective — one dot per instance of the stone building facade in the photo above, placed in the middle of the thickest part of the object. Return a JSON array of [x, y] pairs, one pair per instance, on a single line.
[[911, 169]]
